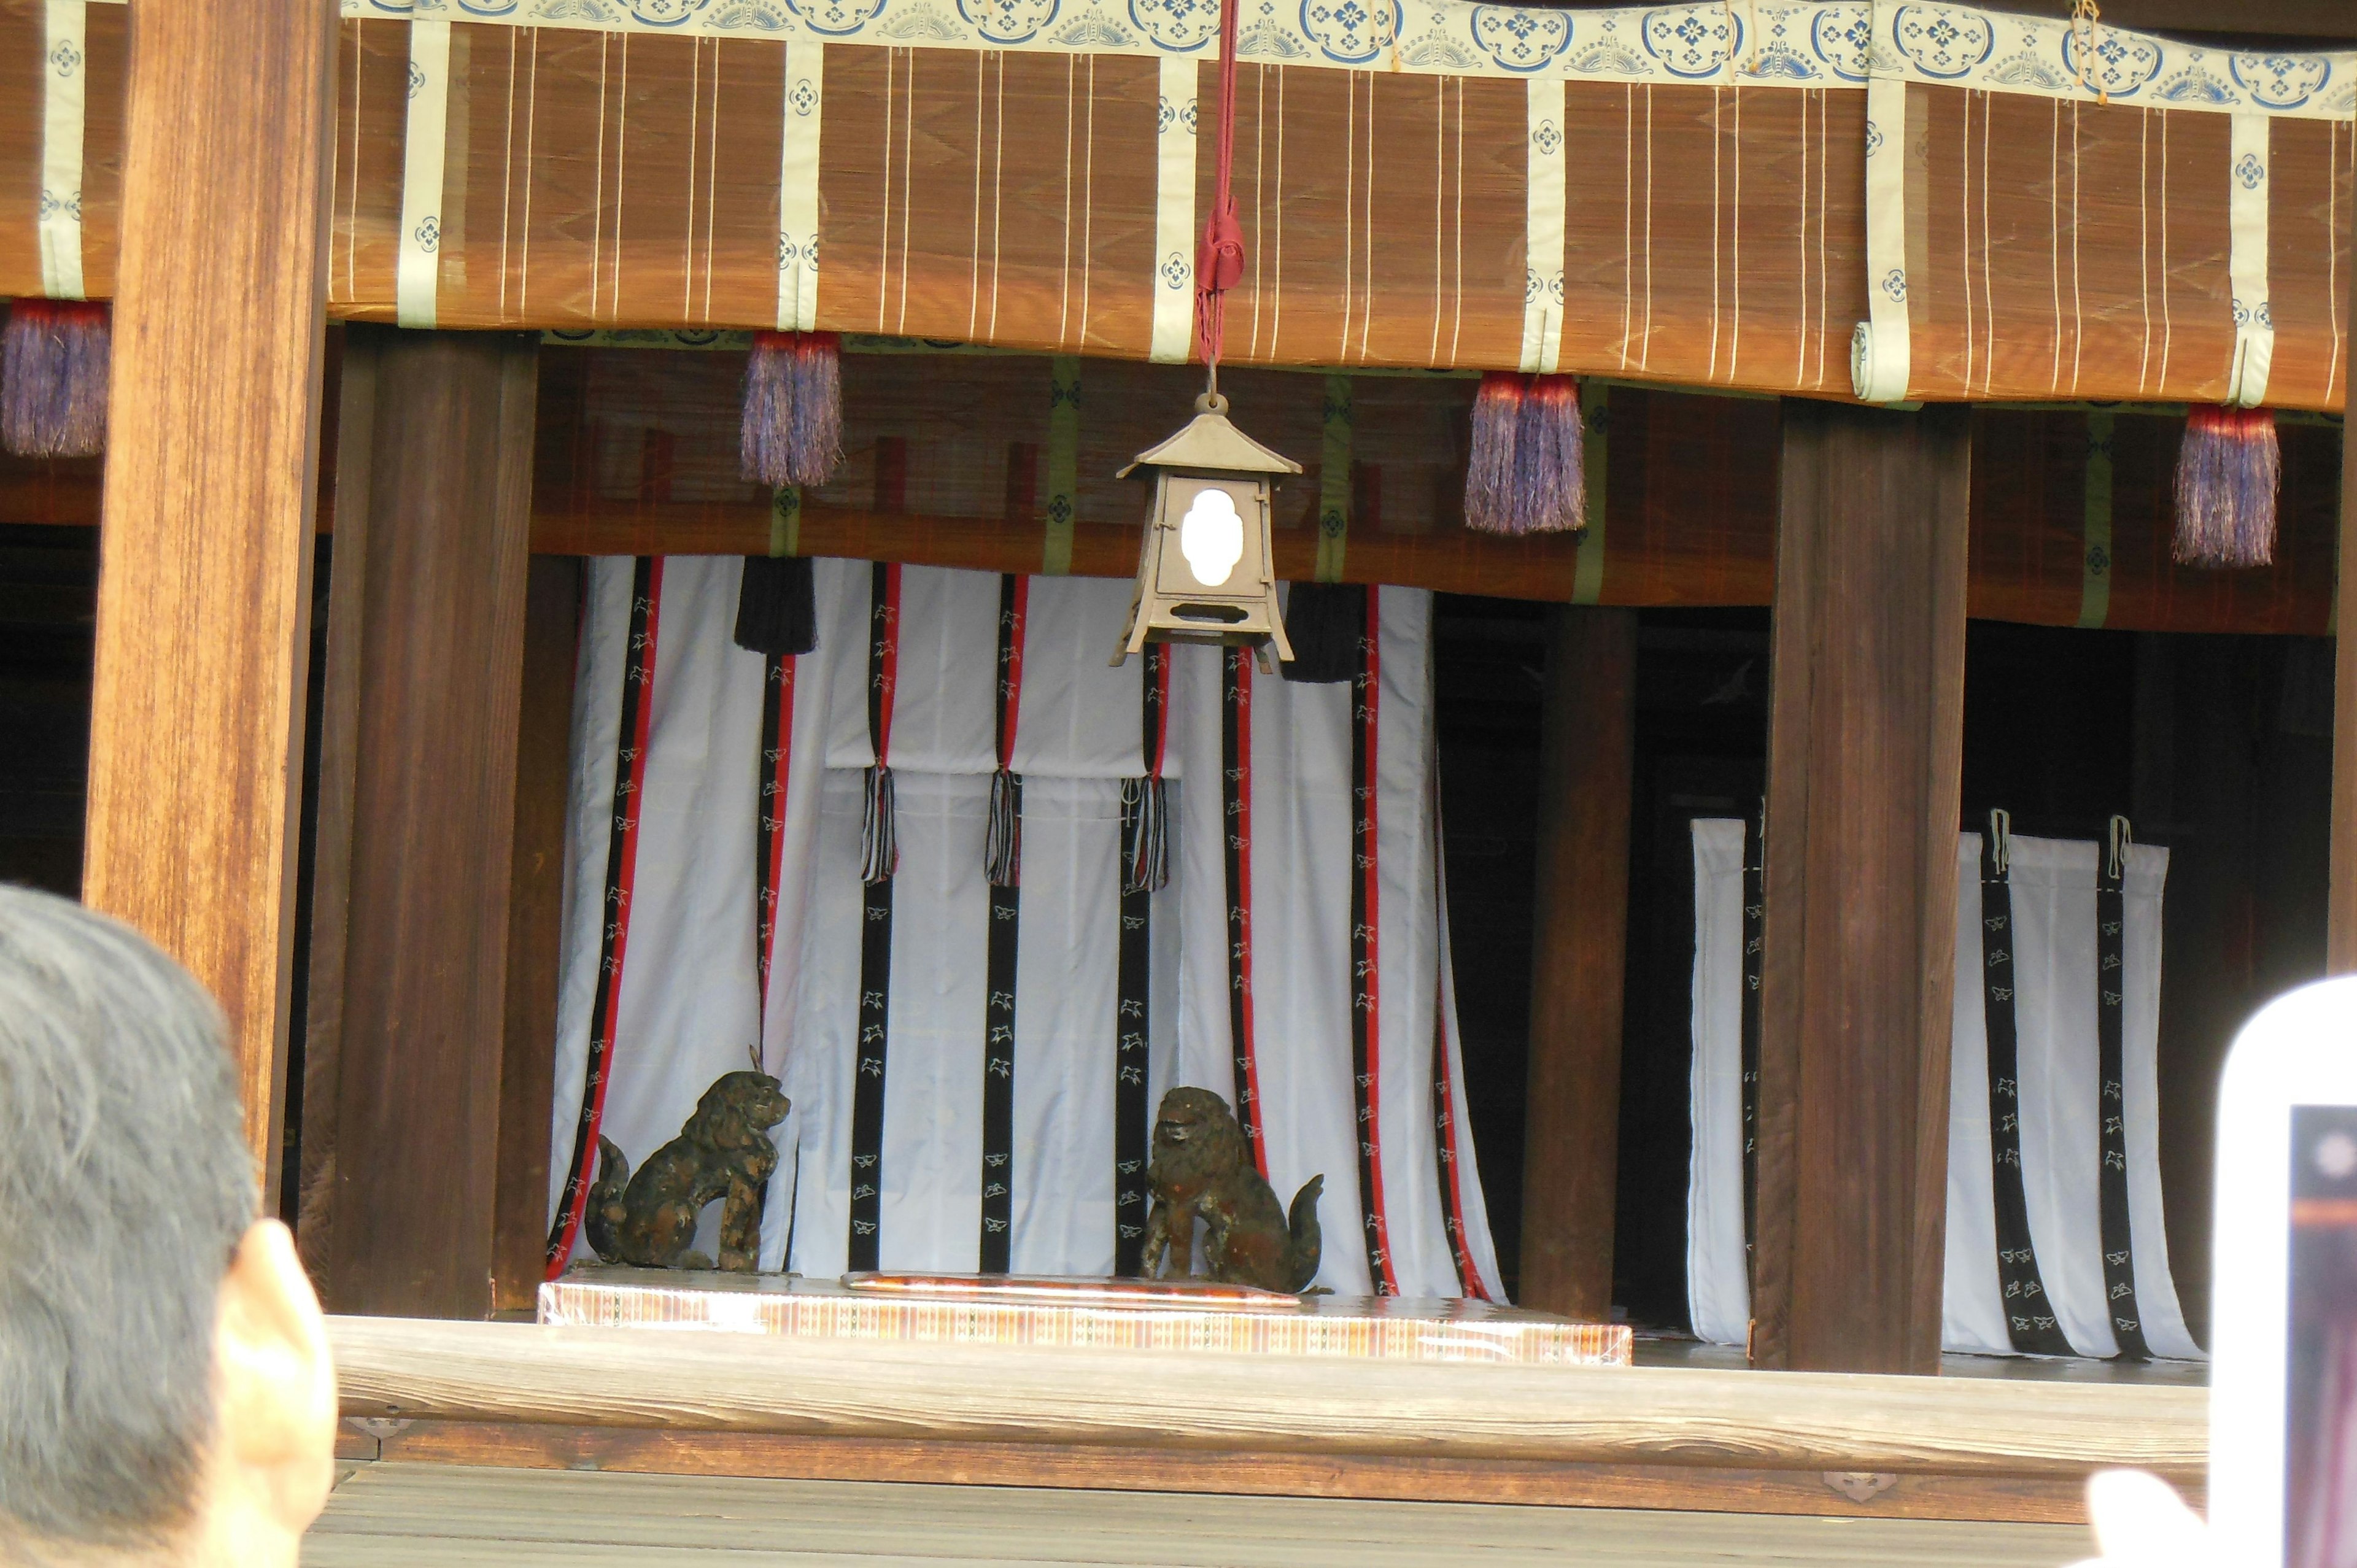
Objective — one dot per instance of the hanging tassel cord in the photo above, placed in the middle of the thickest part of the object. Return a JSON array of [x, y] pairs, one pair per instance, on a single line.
[[2122, 838], [2086, 17], [1220, 260], [2001, 842]]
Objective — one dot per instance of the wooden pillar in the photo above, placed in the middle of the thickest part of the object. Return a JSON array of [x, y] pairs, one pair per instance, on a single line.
[[331, 853], [2340, 924], [1579, 941], [1866, 733], [440, 654], [535, 927], [205, 551]]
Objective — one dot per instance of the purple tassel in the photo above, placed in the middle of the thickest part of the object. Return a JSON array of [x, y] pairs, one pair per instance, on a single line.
[[53, 377], [1489, 473], [792, 430], [1525, 474], [1550, 484], [2228, 472]]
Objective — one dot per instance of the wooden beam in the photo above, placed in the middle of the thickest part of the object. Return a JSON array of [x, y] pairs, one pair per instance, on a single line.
[[425, 999], [1579, 943], [1866, 734], [394, 1368], [535, 927], [1838, 1494], [205, 555]]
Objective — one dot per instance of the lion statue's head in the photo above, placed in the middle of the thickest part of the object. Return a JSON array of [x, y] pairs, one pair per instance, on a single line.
[[738, 1108], [1196, 1140]]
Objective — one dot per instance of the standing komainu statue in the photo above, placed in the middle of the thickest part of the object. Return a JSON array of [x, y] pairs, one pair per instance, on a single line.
[[1203, 1167], [724, 1153]]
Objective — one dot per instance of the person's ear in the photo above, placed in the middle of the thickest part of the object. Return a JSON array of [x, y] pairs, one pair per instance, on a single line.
[[276, 1379]]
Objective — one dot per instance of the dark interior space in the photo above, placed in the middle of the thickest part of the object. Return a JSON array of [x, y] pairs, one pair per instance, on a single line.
[[2218, 747], [1701, 751], [48, 601], [1489, 663]]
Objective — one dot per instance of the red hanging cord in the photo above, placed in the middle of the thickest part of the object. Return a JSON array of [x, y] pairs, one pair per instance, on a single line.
[[1220, 260]]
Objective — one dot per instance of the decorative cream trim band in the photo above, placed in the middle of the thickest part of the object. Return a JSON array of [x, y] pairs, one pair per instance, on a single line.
[[2094, 62], [2247, 169], [2095, 526], [1174, 214], [1544, 151], [1064, 464], [1880, 354], [417, 274], [805, 102], [1757, 43], [1335, 456], [64, 74]]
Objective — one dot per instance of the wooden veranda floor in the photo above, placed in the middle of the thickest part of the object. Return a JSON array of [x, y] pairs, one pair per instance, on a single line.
[[434, 1515]]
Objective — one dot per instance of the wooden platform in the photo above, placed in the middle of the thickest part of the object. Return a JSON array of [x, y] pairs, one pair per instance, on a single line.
[[432, 1515], [758, 1407]]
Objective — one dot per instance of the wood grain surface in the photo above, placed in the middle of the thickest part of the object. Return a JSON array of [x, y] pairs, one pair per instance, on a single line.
[[1579, 942], [2052, 1499], [205, 552], [432, 1515], [2341, 915], [1864, 744], [535, 929], [393, 1369], [424, 1003], [331, 855]]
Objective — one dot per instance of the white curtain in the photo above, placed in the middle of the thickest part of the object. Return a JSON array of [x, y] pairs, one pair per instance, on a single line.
[[2054, 947], [687, 990]]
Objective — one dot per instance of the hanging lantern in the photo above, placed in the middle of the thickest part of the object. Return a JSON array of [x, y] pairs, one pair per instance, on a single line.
[[1206, 571]]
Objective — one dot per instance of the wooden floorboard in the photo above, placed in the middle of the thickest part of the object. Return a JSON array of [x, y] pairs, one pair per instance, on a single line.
[[430, 1515]]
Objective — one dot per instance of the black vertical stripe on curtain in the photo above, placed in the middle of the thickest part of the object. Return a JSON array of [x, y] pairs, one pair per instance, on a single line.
[[1235, 772], [879, 857], [2028, 1313], [1366, 947], [1755, 945], [1140, 868], [1003, 857], [2111, 992]]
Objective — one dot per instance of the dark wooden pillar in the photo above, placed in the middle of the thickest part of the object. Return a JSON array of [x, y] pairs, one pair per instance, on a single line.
[[331, 855], [433, 751], [205, 553], [1866, 731], [535, 927], [1579, 941], [2340, 924]]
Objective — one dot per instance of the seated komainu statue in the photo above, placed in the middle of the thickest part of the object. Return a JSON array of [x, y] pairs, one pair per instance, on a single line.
[[1202, 1167], [724, 1153]]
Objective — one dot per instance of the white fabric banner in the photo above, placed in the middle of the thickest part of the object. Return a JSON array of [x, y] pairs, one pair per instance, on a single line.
[[688, 988], [2054, 954]]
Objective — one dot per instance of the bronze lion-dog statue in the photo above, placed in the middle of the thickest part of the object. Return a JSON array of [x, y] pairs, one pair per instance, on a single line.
[[649, 1219], [1203, 1167]]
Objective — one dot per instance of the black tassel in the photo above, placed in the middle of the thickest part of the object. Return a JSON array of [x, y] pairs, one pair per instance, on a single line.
[[1145, 836], [777, 605], [1002, 844], [1325, 621], [879, 847]]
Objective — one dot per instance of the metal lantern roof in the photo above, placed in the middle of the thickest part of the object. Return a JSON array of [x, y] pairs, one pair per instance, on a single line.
[[1210, 441]]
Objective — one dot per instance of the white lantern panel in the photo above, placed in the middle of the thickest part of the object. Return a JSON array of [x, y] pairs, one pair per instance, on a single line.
[[1211, 536]]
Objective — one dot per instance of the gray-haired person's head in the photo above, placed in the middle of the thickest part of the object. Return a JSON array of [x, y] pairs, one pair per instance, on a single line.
[[124, 1189]]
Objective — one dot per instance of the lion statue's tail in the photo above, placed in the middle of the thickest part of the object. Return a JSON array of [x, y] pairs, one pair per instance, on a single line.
[[1302, 1255], [604, 1209]]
